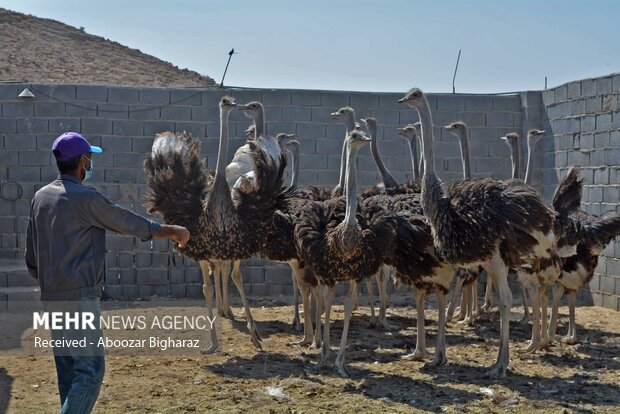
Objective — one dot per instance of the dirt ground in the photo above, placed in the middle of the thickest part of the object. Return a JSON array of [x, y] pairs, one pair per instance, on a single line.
[[578, 378]]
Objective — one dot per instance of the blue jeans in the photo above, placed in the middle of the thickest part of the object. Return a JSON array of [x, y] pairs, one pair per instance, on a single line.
[[80, 370]]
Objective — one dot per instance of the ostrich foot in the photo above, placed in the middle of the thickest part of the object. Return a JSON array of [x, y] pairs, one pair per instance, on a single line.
[[532, 346], [315, 344], [210, 349], [305, 341], [255, 336], [544, 344], [414, 356], [498, 370], [386, 326], [321, 362], [486, 307], [524, 320], [466, 321], [227, 313], [342, 369], [569, 340], [439, 360]]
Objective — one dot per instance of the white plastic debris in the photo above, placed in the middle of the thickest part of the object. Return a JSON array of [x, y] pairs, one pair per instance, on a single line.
[[486, 391], [277, 393]]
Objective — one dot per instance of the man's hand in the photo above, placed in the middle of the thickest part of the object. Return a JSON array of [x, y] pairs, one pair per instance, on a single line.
[[177, 233]]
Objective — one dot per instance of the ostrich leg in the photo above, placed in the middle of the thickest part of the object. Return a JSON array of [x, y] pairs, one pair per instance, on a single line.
[[207, 290], [466, 305], [317, 303], [420, 342], [474, 290], [217, 272], [371, 301], [348, 308], [571, 336], [305, 297], [488, 295], [440, 350], [228, 313], [383, 278], [498, 272], [238, 281], [558, 291], [534, 343], [544, 327], [329, 292], [455, 296], [296, 320], [526, 311]]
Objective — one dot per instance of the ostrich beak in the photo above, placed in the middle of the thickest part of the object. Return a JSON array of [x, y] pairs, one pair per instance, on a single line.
[[402, 100], [543, 132]]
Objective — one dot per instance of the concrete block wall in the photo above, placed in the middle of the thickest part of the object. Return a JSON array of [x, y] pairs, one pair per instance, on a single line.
[[124, 120], [583, 118]]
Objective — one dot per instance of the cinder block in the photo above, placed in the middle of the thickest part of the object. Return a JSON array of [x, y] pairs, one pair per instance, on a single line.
[[246, 95], [211, 97], [155, 277], [25, 174], [548, 97], [306, 98], [112, 111], [364, 100], [8, 126], [19, 142], [588, 87], [451, 102], [17, 109], [61, 125], [604, 85], [335, 99], [389, 101], [196, 129], [408, 117], [601, 139], [9, 91], [478, 103], [96, 126], [49, 109], [491, 165], [127, 277], [92, 93], [128, 159], [386, 117], [276, 97], [313, 161], [152, 128], [34, 158], [274, 128], [509, 103], [611, 194], [176, 113], [144, 112], [574, 90], [614, 139], [154, 96], [588, 123], [310, 130], [112, 144], [603, 121], [123, 95], [31, 125], [601, 176], [9, 158], [120, 175], [272, 113], [578, 106], [131, 128], [561, 93], [500, 119], [296, 113]]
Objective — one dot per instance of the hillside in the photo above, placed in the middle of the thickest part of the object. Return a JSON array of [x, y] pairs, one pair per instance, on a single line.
[[45, 50]]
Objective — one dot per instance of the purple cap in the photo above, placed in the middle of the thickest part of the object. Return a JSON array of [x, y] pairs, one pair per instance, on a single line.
[[72, 144]]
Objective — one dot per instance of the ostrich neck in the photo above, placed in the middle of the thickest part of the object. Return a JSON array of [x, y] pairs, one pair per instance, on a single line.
[[350, 187], [427, 138], [388, 179], [220, 169], [515, 157], [464, 141], [259, 125], [530, 162], [295, 166], [414, 157], [350, 126]]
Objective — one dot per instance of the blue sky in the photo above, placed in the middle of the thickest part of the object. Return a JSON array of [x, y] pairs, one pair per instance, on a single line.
[[388, 45]]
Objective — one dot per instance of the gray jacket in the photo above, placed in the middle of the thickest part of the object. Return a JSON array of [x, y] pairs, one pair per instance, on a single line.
[[65, 241]]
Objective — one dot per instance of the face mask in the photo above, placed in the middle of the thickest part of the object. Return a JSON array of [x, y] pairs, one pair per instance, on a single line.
[[88, 173]]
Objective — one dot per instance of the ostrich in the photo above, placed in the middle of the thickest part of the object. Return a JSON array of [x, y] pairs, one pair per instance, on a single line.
[[595, 233], [467, 278], [226, 230], [411, 133], [345, 115], [495, 224], [343, 246]]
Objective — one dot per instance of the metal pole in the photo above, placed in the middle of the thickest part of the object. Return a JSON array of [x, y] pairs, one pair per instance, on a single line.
[[232, 52], [455, 69], [545, 82]]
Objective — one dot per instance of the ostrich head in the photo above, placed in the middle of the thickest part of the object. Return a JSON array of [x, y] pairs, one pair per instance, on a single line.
[[343, 115], [283, 139], [292, 144], [511, 138], [534, 135], [357, 139], [414, 98], [456, 128], [408, 131], [227, 103], [253, 110], [371, 126], [250, 131]]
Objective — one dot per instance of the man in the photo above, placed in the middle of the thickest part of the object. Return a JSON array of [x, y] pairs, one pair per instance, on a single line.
[[65, 252]]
